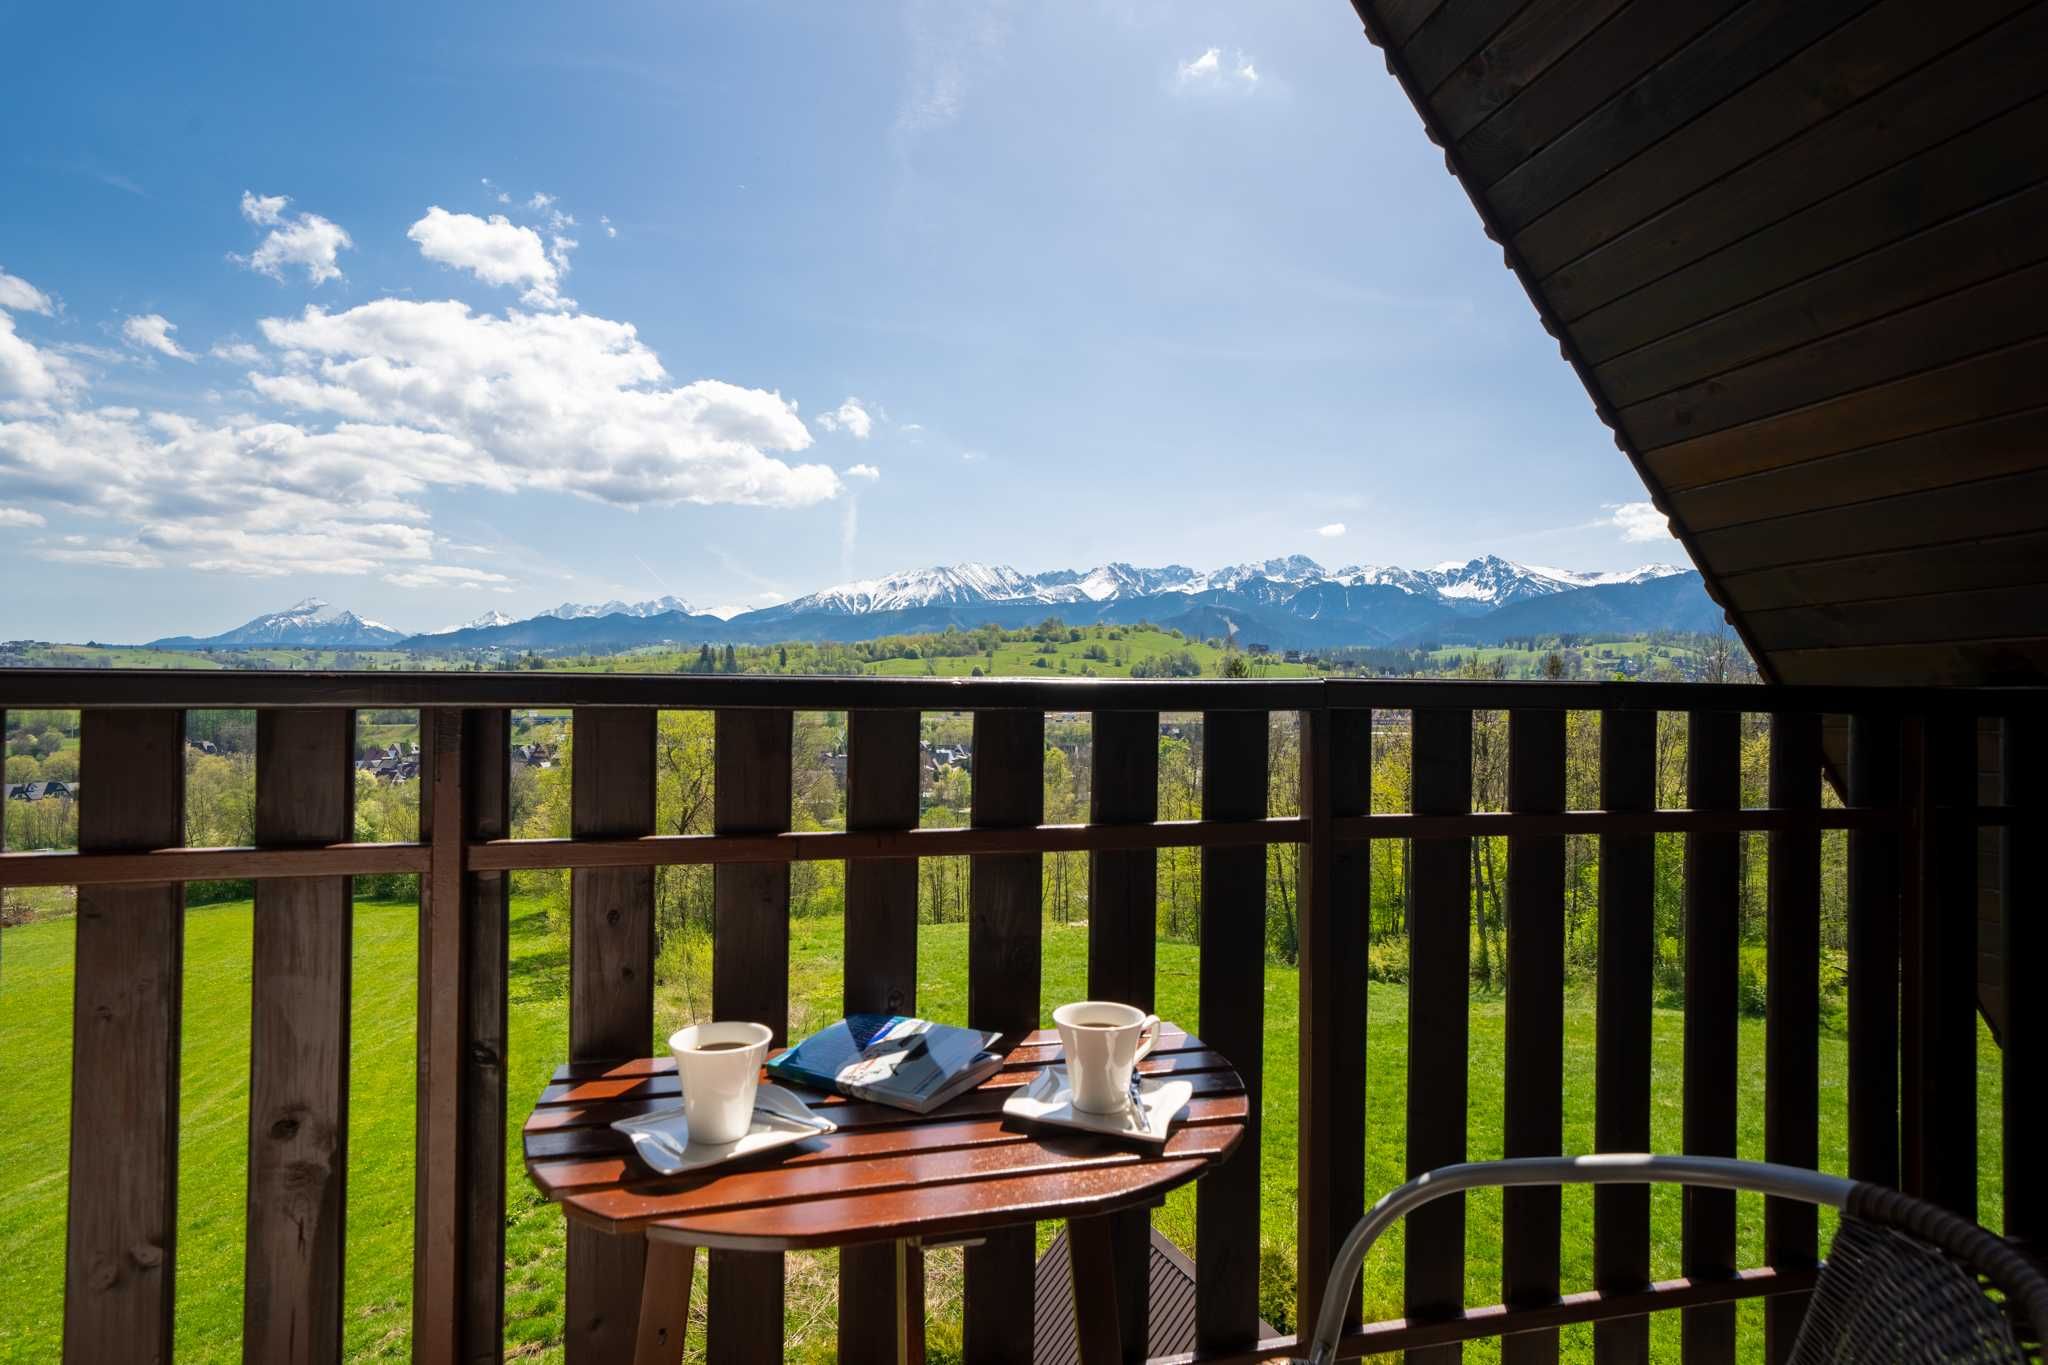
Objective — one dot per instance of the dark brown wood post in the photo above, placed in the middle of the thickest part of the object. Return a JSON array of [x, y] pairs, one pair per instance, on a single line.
[[459, 1173], [299, 1045], [611, 994], [749, 980], [1335, 907], [1533, 1117], [1004, 933], [1232, 996], [2023, 906], [1940, 1101], [1792, 1015], [1626, 972], [1874, 955], [881, 978], [1713, 782], [1439, 1028], [1123, 910], [121, 1238]]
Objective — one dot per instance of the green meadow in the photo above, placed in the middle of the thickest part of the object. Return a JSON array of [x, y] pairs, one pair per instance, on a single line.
[[35, 1029]]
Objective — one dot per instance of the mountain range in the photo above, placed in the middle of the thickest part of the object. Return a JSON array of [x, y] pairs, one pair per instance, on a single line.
[[1285, 603]]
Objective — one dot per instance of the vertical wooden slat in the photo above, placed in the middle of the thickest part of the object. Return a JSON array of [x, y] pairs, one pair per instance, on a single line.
[[121, 1238], [1533, 1118], [611, 993], [2023, 906], [1712, 928], [299, 1046], [1941, 1103], [1873, 928], [1123, 788], [1002, 993], [1231, 997], [749, 980], [1792, 1014], [1091, 1259], [486, 972], [1003, 960], [881, 978], [1621, 1084], [1439, 968], [438, 1224], [1335, 910], [1912, 910], [459, 1173]]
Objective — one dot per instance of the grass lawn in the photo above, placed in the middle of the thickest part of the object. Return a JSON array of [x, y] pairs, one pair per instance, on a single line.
[[35, 1025]]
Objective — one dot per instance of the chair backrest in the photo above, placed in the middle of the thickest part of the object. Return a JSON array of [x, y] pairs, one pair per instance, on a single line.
[[1906, 1280]]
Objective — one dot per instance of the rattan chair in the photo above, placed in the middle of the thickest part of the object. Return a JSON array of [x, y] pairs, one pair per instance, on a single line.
[[1905, 1280]]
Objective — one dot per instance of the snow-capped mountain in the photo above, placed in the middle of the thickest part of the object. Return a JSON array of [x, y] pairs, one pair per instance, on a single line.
[[308, 624], [655, 606], [491, 618]]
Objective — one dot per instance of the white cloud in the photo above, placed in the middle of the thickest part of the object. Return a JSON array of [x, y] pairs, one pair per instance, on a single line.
[[541, 201], [444, 575], [972, 457], [28, 374], [20, 516], [20, 296], [152, 332], [236, 352], [109, 556], [1209, 71], [609, 230], [264, 210], [308, 241], [849, 417], [498, 252], [1331, 531], [863, 471], [771, 598], [497, 193], [1637, 521]]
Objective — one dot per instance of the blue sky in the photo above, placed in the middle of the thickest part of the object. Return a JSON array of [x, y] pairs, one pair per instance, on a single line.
[[429, 310]]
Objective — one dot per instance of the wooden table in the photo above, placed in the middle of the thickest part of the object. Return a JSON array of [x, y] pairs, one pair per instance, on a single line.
[[885, 1176]]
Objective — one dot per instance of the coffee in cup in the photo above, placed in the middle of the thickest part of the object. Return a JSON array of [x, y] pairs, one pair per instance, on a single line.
[[1103, 1041], [719, 1066]]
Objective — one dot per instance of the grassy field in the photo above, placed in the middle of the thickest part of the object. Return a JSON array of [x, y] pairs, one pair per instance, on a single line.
[[35, 1024]]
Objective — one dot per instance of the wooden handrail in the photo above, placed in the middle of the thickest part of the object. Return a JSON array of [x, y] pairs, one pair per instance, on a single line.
[[227, 689]]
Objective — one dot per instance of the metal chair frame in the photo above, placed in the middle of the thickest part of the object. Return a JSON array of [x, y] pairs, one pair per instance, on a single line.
[[1982, 1250]]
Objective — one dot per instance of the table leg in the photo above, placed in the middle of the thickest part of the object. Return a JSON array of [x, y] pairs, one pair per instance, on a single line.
[[1091, 1260], [909, 1302], [664, 1303]]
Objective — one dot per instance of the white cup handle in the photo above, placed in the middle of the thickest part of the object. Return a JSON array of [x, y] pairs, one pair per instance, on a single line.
[[1149, 1039]]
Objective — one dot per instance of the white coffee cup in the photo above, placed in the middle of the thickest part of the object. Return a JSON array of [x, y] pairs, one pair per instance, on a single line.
[[719, 1066], [1104, 1042]]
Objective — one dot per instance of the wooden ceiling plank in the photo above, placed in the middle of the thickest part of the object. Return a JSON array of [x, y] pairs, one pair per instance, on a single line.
[[1931, 618], [1529, 45], [1985, 508], [1750, 42], [1399, 19], [2015, 662], [1974, 168], [2001, 382], [1859, 60], [1935, 459], [2004, 561], [1988, 316], [1993, 73], [1454, 35], [1610, 59], [1993, 241]]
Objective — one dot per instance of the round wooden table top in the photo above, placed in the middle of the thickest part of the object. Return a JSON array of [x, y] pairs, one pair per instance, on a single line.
[[887, 1173]]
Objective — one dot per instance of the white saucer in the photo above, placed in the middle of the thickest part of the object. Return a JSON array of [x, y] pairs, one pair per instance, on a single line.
[[662, 1139], [1048, 1099]]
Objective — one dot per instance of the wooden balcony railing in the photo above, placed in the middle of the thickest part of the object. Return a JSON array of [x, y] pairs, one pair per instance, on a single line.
[[1912, 820]]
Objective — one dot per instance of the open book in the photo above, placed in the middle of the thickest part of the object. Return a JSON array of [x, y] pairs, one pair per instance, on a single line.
[[912, 1064]]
